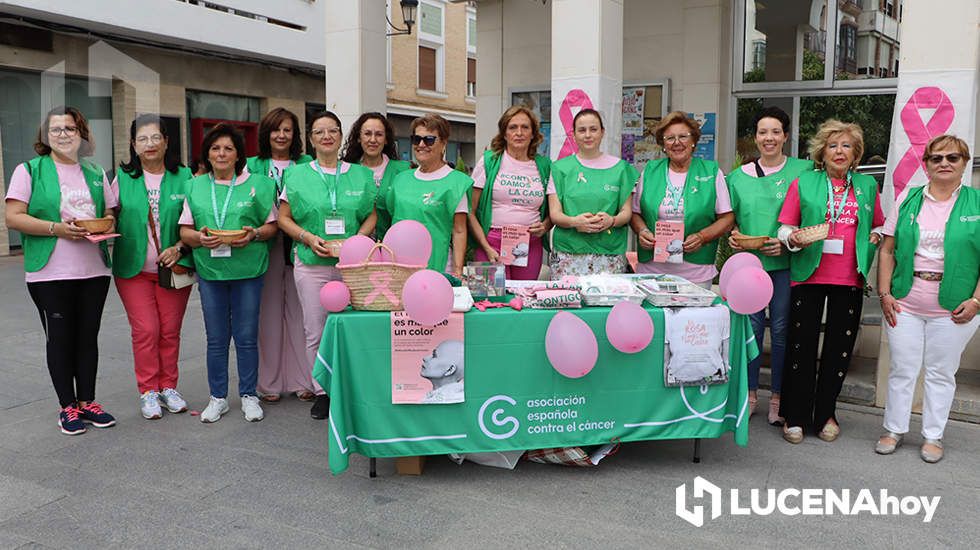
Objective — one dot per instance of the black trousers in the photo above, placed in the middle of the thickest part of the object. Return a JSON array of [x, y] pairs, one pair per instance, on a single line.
[[809, 393], [71, 314]]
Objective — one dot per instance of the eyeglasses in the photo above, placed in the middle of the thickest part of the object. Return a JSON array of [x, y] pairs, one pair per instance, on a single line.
[[320, 132], [155, 138], [66, 131], [683, 138], [951, 158], [429, 140]]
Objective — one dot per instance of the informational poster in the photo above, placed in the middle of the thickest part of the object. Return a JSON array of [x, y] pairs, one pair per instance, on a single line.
[[515, 244], [633, 111], [706, 145], [427, 363], [642, 111], [668, 242]]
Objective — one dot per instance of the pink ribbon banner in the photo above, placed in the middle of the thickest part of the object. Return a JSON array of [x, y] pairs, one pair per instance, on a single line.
[[574, 98], [919, 132], [381, 282]]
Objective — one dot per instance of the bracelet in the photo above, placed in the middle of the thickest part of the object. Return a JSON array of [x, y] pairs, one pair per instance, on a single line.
[[300, 238], [975, 300], [646, 230], [255, 234], [884, 295], [51, 228]]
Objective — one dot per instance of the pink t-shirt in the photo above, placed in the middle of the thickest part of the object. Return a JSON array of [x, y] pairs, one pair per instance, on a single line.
[[833, 269], [153, 182], [517, 192], [602, 162], [379, 170], [749, 168], [696, 273], [70, 259], [187, 217], [923, 298]]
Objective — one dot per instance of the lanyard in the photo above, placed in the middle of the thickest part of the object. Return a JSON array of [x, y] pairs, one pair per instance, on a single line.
[[331, 190], [674, 194], [220, 218], [835, 214]]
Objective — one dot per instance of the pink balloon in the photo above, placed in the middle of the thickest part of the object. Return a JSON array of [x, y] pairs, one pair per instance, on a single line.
[[571, 346], [735, 263], [629, 327], [355, 249], [410, 241], [749, 290], [428, 297], [334, 296]]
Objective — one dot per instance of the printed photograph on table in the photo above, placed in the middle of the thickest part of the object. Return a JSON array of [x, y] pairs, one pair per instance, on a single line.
[[696, 350], [427, 363]]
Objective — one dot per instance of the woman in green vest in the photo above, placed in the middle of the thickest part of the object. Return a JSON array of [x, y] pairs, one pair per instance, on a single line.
[[67, 275], [688, 199], [371, 143], [757, 190], [225, 198], [509, 186], [148, 196], [589, 204], [434, 194], [324, 202], [282, 351], [929, 285], [829, 272]]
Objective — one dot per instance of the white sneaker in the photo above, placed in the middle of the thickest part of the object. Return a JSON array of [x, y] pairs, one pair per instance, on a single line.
[[150, 405], [217, 406], [251, 408], [172, 399]]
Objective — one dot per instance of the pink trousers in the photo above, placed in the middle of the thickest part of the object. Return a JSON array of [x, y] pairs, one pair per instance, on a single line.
[[283, 365], [309, 280]]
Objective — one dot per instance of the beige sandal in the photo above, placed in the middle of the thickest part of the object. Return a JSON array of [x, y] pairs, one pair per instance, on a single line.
[[793, 434], [888, 442], [830, 432], [930, 456]]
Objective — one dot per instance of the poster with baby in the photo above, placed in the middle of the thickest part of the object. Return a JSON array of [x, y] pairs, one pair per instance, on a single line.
[[426, 362], [515, 243]]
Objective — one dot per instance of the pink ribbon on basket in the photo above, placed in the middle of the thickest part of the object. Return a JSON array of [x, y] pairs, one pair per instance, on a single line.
[[920, 132], [380, 280], [574, 98]]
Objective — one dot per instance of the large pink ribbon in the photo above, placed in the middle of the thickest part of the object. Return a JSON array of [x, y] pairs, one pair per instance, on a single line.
[[380, 280], [574, 98], [920, 132]]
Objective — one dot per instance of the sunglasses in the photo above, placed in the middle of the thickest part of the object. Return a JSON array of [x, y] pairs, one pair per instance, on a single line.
[[429, 140], [951, 158]]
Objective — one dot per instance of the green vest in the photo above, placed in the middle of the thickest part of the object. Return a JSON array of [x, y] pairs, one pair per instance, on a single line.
[[263, 167], [250, 204], [491, 165], [700, 197], [757, 201], [309, 204], [45, 205], [394, 168], [813, 211], [582, 189], [432, 203], [129, 251], [961, 246]]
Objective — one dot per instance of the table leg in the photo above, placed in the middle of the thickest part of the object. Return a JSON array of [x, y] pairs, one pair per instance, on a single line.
[[373, 472], [697, 451]]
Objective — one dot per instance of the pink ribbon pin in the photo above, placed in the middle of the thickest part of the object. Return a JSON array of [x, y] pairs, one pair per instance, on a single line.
[[380, 281], [920, 132], [574, 98]]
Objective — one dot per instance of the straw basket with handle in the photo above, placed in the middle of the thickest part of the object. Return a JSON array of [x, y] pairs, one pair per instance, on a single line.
[[377, 286], [812, 234]]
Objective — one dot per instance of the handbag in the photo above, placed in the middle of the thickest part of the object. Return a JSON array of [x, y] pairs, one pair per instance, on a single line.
[[171, 278]]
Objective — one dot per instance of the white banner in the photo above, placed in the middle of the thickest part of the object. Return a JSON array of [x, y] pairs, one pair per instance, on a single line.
[[928, 104]]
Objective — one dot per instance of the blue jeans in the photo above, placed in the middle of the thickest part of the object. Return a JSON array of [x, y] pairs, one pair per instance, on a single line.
[[778, 321], [231, 308]]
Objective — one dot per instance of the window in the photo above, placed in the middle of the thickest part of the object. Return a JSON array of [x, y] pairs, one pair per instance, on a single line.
[[470, 77], [847, 50], [759, 55], [432, 46], [771, 32]]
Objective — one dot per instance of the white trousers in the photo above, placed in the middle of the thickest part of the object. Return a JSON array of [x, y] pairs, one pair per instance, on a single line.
[[937, 344]]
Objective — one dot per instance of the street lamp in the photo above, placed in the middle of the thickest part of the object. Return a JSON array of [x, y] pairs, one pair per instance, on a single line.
[[408, 15]]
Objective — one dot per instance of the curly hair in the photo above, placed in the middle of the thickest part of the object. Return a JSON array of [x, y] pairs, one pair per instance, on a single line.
[[829, 129], [353, 151]]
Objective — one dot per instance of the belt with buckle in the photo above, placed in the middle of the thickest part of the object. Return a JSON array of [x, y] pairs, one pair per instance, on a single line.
[[928, 275]]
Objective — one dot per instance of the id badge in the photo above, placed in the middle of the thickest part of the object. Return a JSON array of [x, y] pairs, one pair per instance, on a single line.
[[223, 251], [334, 225], [833, 245]]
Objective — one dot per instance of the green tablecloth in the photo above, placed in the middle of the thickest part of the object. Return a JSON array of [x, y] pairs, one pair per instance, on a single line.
[[514, 398]]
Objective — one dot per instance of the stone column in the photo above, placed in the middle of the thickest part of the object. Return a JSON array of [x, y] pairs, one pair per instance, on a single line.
[[489, 71], [356, 71]]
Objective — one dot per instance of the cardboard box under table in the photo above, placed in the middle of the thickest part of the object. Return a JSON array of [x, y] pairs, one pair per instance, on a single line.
[[515, 400]]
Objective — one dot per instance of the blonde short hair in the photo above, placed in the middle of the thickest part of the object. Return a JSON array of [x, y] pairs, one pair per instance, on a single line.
[[946, 140], [829, 129]]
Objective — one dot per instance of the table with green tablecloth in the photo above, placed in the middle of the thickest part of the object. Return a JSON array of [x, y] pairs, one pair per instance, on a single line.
[[514, 399]]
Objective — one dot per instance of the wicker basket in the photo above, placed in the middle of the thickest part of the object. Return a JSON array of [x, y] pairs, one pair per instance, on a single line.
[[812, 234], [377, 286], [227, 236], [748, 242], [95, 225]]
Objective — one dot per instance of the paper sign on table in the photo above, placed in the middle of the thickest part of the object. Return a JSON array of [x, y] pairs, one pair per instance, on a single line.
[[426, 362], [515, 243], [668, 242]]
